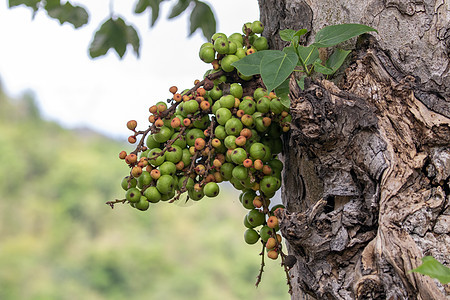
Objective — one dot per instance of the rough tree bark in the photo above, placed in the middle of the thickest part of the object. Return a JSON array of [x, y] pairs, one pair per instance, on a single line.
[[367, 162]]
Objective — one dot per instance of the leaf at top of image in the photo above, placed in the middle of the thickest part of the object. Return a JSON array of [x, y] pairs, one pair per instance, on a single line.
[[332, 35]]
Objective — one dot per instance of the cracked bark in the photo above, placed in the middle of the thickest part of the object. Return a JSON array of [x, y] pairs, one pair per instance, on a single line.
[[367, 162]]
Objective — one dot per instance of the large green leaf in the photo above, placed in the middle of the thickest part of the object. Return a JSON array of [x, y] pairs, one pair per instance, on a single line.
[[250, 65], [335, 34], [276, 66], [142, 6], [333, 63], [203, 17], [431, 267], [178, 8], [290, 35], [75, 15], [308, 55], [116, 34]]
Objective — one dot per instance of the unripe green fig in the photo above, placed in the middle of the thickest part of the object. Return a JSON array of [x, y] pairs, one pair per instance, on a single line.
[[189, 183], [246, 223], [164, 134], [191, 106], [232, 47], [165, 184], [215, 107], [268, 185], [155, 158], [244, 77], [151, 143], [251, 236], [124, 183], [174, 153], [223, 115], [258, 151], [211, 189], [255, 217], [168, 196], [226, 62], [236, 90], [260, 43], [168, 168], [207, 54], [240, 53], [218, 35], [215, 93], [196, 195], [220, 132], [247, 199], [240, 172], [257, 27], [247, 28], [144, 179], [258, 93], [192, 135], [248, 106], [236, 37], [238, 155], [133, 195], [237, 184], [233, 126], [263, 105], [230, 142], [142, 204], [265, 233], [275, 106], [186, 157], [221, 45], [226, 170], [152, 194], [227, 101]]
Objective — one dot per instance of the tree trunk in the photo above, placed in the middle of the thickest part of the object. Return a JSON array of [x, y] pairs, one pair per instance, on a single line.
[[367, 162]]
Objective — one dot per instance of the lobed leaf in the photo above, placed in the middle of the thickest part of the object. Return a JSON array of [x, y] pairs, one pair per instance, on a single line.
[[202, 17], [332, 35], [276, 66], [433, 268], [178, 8], [116, 34], [75, 15], [30, 3], [142, 6]]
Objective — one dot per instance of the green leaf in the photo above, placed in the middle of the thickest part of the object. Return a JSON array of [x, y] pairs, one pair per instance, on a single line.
[[431, 267], [308, 55], [142, 6], [335, 34], [116, 34], [75, 15], [30, 3], [289, 35], [301, 82], [178, 8], [333, 63], [250, 65], [282, 92], [203, 17], [276, 66]]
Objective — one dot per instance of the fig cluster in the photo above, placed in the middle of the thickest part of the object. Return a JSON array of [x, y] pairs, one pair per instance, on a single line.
[[227, 127]]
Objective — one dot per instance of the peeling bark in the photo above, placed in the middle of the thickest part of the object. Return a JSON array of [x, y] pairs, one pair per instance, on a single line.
[[367, 162]]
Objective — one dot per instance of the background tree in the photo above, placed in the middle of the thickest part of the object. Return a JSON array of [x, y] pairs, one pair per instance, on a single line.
[[367, 161]]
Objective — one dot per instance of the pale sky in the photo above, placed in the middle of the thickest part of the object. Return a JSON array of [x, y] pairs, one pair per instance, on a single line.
[[52, 61]]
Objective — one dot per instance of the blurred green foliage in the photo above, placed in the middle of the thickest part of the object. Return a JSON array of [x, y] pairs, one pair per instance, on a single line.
[[58, 239]]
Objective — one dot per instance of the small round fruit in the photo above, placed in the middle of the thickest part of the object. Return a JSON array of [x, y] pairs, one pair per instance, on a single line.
[[236, 90], [165, 184], [207, 54], [272, 222], [133, 195], [271, 243], [251, 236], [261, 43], [211, 189], [247, 199], [265, 233], [221, 45], [227, 61], [240, 172], [124, 183], [191, 106], [155, 158], [223, 115], [152, 194], [142, 204], [273, 254], [255, 217], [233, 126], [257, 27]]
